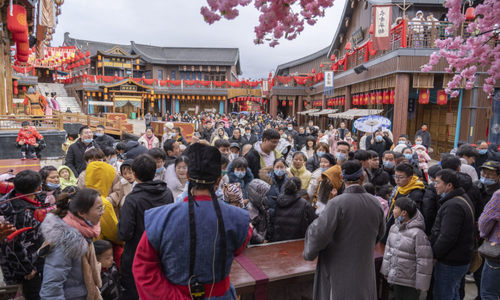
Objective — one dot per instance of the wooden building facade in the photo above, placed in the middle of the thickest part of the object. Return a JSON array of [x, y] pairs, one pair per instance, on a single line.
[[363, 74], [136, 79]]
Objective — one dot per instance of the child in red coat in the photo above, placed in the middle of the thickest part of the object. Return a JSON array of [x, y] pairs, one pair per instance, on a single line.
[[28, 139]]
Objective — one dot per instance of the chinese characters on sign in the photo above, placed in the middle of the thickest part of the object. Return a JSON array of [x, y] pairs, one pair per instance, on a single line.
[[329, 79], [382, 16]]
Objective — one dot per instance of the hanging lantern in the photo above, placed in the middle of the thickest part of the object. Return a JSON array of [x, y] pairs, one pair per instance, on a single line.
[[313, 70], [105, 97], [99, 57], [392, 96], [355, 100], [348, 46], [470, 14], [373, 98], [332, 58], [371, 28], [386, 97], [322, 65], [24, 88], [283, 103], [16, 91], [290, 103], [93, 94], [380, 98]]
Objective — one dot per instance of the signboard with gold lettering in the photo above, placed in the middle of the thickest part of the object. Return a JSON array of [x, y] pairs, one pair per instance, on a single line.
[[128, 87]]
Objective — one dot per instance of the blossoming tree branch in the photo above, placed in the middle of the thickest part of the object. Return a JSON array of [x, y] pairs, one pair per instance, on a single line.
[[465, 55], [278, 18]]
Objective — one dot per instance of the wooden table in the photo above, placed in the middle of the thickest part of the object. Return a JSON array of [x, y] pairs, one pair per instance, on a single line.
[[290, 276], [19, 165]]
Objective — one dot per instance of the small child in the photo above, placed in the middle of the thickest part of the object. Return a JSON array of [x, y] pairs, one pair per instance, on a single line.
[[408, 256], [66, 177], [27, 139], [110, 276], [122, 187]]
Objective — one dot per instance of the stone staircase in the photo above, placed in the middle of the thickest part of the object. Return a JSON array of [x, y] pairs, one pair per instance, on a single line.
[[62, 96]]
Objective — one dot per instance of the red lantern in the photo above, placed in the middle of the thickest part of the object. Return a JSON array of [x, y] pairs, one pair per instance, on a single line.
[[386, 97], [16, 91], [87, 53], [343, 100], [14, 83], [442, 98], [392, 96], [470, 14], [313, 70], [373, 98], [24, 88], [290, 103], [371, 28], [355, 100], [87, 61], [380, 98], [332, 58], [17, 22], [348, 46], [283, 103]]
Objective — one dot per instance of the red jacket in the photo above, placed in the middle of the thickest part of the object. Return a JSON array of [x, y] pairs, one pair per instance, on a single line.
[[28, 136]]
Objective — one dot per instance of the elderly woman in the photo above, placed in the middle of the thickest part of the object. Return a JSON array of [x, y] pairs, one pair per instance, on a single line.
[[149, 140]]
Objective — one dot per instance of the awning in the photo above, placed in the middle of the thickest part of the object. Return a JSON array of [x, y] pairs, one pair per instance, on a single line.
[[324, 112], [355, 113], [123, 100], [101, 103], [309, 111]]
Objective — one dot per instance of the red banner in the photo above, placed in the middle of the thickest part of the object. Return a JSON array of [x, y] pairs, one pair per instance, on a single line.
[[382, 16], [442, 98], [423, 96]]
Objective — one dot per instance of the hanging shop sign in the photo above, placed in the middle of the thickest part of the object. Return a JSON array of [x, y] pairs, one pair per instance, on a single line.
[[128, 87], [357, 36], [382, 14]]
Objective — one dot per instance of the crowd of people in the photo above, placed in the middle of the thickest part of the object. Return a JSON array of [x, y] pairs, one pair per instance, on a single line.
[[129, 219]]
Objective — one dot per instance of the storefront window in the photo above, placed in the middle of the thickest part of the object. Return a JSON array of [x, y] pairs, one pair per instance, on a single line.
[[173, 75]]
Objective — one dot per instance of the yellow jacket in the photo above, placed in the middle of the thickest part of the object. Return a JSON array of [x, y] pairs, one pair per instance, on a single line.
[[303, 174], [100, 176]]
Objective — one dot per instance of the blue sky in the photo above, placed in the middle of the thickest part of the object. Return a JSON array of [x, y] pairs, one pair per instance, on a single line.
[[180, 24]]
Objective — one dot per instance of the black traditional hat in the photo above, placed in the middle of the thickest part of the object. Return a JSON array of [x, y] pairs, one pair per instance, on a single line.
[[204, 165]]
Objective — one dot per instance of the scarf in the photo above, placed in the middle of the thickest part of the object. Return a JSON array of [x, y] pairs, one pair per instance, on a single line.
[[149, 140], [297, 172], [79, 224], [414, 184]]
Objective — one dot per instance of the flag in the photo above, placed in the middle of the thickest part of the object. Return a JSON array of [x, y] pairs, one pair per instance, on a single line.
[[442, 98], [423, 96], [382, 16]]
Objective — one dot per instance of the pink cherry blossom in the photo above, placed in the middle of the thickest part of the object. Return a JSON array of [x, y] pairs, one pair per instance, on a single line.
[[478, 49], [278, 18]]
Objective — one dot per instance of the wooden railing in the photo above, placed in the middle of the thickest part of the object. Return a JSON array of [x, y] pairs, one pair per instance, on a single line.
[[56, 122]]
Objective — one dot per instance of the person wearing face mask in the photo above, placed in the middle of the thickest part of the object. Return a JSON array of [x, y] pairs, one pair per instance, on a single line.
[[313, 162], [234, 151], [159, 156], [248, 137], [482, 150], [102, 139], [379, 142], [407, 263], [403, 142], [19, 261], [389, 165], [74, 156], [452, 236], [426, 136], [51, 186], [276, 177], [238, 172], [489, 182], [289, 129], [326, 161], [348, 138]]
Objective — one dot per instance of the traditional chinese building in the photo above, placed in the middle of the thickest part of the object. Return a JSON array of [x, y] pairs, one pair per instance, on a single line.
[[388, 82], [136, 78]]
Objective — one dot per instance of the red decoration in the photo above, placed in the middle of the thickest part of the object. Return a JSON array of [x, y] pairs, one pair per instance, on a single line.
[[386, 97], [322, 65], [371, 28], [355, 100], [380, 98], [348, 46], [373, 97], [332, 58], [290, 103], [442, 98], [283, 103], [470, 14], [423, 96], [392, 96], [313, 70]]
